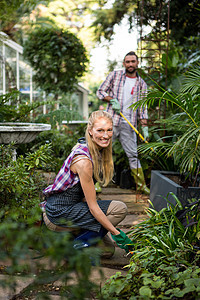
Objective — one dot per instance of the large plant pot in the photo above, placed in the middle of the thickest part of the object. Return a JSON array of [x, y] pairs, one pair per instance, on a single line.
[[20, 133], [161, 186]]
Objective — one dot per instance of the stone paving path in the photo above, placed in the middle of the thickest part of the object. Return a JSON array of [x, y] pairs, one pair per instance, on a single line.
[[136, 203]]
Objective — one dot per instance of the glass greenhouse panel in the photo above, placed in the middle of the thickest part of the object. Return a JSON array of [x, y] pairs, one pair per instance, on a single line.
[[1, 68], [11, 68], [25, 80]]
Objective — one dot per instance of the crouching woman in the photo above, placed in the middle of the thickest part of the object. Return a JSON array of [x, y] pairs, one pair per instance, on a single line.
[[71, 199]]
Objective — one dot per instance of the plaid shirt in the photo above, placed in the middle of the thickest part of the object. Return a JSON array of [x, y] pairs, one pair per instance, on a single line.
[[113, 87], [66, 178]]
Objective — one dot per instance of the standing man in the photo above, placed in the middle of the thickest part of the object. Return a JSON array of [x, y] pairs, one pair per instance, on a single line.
[[120, 89]]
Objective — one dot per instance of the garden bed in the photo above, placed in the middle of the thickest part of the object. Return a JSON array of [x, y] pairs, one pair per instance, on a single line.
[[183, 180]]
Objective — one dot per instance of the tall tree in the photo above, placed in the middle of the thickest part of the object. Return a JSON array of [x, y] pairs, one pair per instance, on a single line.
[[184, 17], [12, 11]]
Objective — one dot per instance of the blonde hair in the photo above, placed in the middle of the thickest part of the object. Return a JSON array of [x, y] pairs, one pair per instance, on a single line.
[[102, 159]]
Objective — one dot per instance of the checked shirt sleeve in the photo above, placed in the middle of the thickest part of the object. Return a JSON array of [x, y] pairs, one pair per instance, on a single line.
[[105, 88], [143, 113]]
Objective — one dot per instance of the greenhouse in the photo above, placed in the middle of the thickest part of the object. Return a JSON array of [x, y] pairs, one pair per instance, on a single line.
[[16, 73]]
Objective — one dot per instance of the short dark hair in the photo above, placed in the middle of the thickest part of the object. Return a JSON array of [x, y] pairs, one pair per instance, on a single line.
[[131, 53]]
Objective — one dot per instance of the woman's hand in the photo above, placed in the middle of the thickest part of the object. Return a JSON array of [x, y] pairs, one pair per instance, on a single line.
[[123, 241], [84, 169]]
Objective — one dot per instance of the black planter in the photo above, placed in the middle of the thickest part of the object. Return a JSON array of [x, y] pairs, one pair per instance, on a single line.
[[161, 186]]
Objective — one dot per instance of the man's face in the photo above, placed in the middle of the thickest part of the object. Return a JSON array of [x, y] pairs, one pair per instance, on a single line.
[[131, 64]]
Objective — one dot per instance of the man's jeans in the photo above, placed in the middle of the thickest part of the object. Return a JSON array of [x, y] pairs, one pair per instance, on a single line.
[[128, 140]]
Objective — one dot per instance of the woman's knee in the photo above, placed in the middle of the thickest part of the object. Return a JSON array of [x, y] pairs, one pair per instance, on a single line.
[[117, 208], [117, 211]]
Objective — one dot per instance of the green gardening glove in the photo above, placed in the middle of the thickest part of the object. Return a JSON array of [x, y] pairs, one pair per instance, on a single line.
[[115, 105], [145, 132], [123, 241]]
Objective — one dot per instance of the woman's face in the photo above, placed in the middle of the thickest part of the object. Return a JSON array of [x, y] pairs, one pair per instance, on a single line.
[[102, 132]]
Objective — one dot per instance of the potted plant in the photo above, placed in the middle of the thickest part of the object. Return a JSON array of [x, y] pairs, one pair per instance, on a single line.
[[181, 142]]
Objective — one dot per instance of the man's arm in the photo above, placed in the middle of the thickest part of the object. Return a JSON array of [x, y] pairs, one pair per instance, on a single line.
[[143, 122], [144, 113], [107, 99], [103, 92], [145, 129]]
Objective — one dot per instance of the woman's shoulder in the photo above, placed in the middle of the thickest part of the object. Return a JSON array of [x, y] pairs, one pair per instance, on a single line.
[[82, 149]]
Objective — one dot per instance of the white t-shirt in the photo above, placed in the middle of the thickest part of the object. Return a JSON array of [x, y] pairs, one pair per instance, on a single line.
[[128, 93]]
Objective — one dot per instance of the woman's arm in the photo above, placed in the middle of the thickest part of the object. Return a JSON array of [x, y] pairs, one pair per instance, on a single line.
[[84, 170]]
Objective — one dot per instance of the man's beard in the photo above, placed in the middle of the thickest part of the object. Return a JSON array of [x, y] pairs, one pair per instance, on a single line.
[[133, 70]]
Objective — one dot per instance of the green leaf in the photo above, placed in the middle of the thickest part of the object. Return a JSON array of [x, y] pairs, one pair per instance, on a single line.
[[145, 291], [172, 291], [192, 282]]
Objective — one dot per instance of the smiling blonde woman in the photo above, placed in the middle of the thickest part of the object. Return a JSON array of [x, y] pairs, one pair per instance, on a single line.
[[71, 200]]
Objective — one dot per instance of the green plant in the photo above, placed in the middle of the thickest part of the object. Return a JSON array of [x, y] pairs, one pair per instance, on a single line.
[[58, 58], [61, 142], [184, 147], [166, 282], [21, 184], [165, 261], [11, 110], [45, 256], [55, 117], [163, 235]]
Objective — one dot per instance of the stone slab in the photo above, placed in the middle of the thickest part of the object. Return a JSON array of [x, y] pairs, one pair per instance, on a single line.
[[21, 283], [116, 190], [133, 206], [131, 220], [107, 273], [99, 275], [32, 263], [118, 261], [51, 297], [119, 197]]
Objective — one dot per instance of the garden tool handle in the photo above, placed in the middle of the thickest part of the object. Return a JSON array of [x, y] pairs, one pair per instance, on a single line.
[[121, 114], [141, 136]]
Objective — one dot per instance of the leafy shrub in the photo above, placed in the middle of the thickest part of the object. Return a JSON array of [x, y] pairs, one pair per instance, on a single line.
[[45, 256], [21, 184], [13, 109], [164, 235], [166, 282], [57, 56], [181, 140], [165, 261], [61, 142]]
